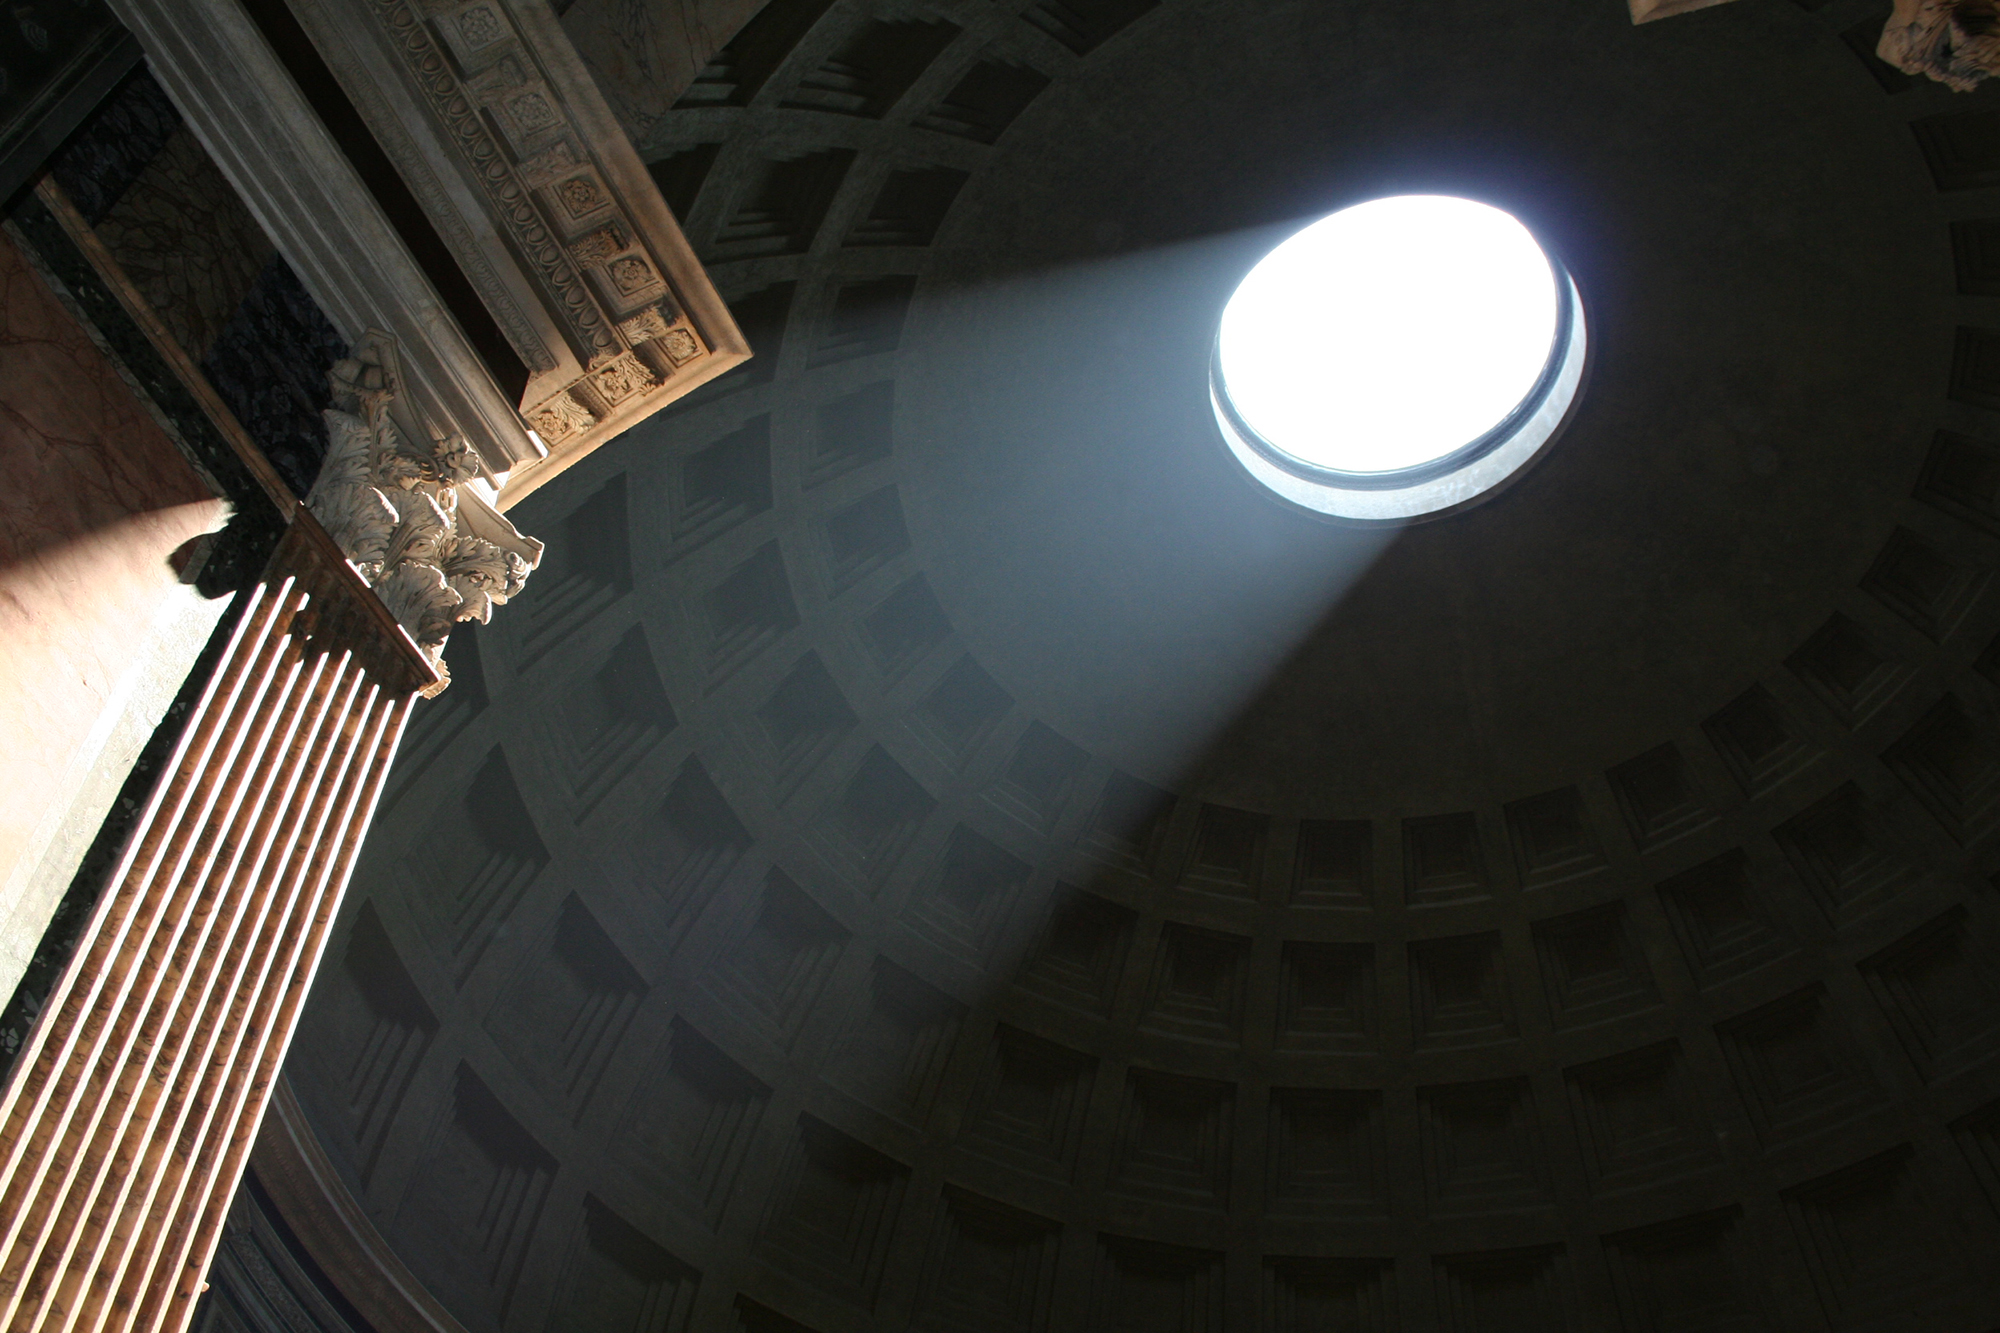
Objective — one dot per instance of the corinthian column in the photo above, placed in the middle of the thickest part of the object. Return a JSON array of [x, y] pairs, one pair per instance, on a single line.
[[124, 1133]]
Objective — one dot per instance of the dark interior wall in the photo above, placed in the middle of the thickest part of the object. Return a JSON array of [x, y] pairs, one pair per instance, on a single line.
[[57, 64], [643, 53], [263, 1280], [188, 244], [935, 847]]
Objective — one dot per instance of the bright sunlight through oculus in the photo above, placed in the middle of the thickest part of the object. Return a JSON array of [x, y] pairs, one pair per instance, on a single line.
[[1390, 334]]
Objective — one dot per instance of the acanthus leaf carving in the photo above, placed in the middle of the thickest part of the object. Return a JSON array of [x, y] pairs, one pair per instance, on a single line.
[[410, 524], [620, 377], [422, 528], [354, 513], [601, 245], [648, 324], [422, 601]]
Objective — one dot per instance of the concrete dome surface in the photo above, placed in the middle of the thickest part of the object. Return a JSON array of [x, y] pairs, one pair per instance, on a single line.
[[936, 846]]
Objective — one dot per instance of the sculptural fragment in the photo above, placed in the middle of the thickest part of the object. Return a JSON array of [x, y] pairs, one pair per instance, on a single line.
[[410, 522], [1956, 42]]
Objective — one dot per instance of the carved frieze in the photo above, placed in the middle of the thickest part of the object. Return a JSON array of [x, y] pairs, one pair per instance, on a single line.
[[595, 264], [557, 419], [489, 98]]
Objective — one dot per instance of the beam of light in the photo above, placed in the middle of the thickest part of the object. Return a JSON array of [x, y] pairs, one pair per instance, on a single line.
[[1390, 333], [1096, 546]]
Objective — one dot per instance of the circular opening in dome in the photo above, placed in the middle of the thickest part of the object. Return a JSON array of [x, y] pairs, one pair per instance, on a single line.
[[1397, 359]]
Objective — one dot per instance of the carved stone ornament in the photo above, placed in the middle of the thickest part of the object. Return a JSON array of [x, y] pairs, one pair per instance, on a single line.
[[621, 377], [432, 549], [648, 324], [600, 246], [1956, 42], [632, 274], [681, 345], [480, 27], [561, 417]]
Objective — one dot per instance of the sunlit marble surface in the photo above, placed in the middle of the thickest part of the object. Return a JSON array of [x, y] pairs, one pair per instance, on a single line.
[[94, 622]]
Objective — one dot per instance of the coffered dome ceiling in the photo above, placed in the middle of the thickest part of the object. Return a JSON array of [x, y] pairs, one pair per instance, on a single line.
[[936, 846]]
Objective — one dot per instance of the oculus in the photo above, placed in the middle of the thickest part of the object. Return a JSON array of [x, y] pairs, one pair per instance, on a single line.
[[1398, 360]]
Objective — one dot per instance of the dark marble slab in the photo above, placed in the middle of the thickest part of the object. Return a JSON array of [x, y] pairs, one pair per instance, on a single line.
[[269, 363], [187, 242]]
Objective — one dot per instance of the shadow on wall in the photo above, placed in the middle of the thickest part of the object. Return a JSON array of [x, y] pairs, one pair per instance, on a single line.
[[94, 504]]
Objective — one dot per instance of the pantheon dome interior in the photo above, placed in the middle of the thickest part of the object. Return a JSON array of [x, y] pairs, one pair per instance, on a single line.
[[936, 845]]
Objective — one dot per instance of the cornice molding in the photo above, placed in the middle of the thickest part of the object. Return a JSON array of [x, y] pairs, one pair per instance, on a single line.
[[495, 127]]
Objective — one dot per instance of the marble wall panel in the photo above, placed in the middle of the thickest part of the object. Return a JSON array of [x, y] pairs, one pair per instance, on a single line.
[[94, 500], [190, 246], [110, 151], [186, 241]]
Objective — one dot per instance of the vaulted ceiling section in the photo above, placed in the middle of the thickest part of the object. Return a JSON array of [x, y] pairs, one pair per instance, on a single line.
[[936, 847]]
